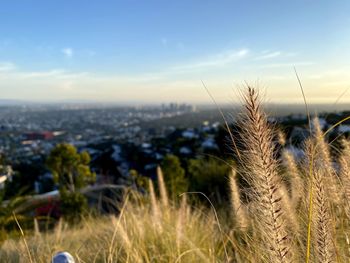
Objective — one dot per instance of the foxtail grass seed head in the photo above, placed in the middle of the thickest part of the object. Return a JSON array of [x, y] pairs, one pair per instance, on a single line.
[[162, 188], [239, 209], [296, 182], [261, 171]]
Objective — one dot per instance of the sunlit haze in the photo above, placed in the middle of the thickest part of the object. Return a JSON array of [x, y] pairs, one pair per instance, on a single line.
[[161, 51]]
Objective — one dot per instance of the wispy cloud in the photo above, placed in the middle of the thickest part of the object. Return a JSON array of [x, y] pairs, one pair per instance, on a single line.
[[216, 60], [338, 73], [288, 64], [269, 55], [67, 52], [7, 66], [56, 73], [41, 74]]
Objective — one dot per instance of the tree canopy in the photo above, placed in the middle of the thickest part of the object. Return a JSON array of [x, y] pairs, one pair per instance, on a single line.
[[174, 176], [209, 176], [70, 169]]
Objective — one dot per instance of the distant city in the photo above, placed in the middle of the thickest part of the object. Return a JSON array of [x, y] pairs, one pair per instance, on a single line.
[[119, 139], [33, 131]]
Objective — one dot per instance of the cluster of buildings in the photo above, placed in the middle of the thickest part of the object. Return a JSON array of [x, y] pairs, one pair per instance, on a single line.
[[28, 134], [119, 139]]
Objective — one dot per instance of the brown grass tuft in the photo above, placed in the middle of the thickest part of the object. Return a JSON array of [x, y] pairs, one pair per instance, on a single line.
[[262, 173]]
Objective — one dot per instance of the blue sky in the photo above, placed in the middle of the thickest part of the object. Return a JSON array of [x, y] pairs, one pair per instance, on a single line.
[[155, 51]]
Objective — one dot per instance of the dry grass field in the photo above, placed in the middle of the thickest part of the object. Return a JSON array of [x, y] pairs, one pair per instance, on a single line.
[[293, 211]]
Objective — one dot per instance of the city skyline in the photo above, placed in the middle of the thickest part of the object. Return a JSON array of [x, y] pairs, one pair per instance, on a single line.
[[129, 51]]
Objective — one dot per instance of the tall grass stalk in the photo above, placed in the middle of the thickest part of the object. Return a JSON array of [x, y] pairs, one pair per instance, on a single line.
[[239, 209], [261, 171], [162, 188]]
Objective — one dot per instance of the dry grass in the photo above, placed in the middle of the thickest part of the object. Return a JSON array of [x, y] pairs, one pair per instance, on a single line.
[[261, 172], [186, 235], [238, 208], [294, 212]]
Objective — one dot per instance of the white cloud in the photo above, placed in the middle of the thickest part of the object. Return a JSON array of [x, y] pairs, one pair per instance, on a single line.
[[268, 55], [288, 64], [41, 74], [166, 83], [217, 60], [54, 73], [67, 52], [7, 66]]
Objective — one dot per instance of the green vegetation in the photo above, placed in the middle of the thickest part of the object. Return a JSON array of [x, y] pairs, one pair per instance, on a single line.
[[8, 225], [71, 171], [209, 175], [174, 176]]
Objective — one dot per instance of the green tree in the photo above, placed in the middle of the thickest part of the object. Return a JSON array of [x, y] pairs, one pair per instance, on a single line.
[[209, 176], [174, 176], [71, 171]]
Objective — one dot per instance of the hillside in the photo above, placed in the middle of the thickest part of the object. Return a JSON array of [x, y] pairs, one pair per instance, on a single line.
[[286, 210]]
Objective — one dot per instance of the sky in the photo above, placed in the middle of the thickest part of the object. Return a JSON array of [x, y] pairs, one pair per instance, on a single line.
[[137, 51]]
